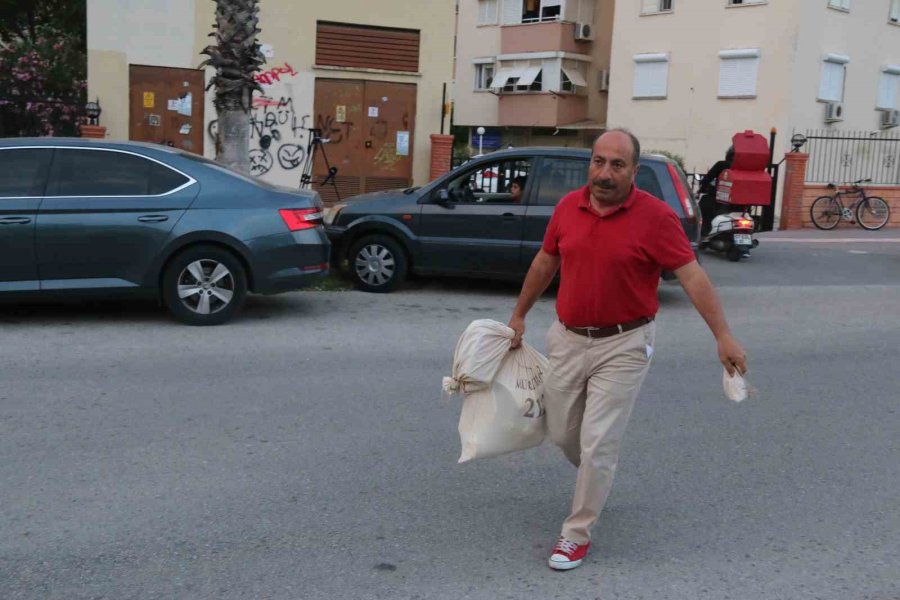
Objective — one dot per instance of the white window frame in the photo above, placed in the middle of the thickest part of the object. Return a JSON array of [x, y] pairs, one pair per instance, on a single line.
[[743, 64], [655, 7], [888, 88], [894, 12], [652, 90], [730, 3], [832, 64], [842, 5], [488, 12], [480, 80]]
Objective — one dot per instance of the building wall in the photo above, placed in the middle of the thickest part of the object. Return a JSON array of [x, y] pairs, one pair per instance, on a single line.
[[473, 41], [865, 36], [173, 32], [692, 120], [145, 32]]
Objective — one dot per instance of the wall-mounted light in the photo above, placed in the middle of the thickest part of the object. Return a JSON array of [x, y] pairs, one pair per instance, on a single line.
[[93, 110]]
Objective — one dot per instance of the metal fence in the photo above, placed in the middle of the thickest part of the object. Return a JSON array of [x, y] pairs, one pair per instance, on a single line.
[[841, 157]]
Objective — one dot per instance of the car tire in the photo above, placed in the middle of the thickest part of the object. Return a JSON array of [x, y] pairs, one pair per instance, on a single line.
[[204, 285], [377, 263]]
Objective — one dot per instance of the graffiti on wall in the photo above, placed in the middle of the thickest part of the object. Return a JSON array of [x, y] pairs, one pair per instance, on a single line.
[[280, 123]]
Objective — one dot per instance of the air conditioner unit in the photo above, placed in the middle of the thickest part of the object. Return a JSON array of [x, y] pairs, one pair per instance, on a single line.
[[890, 118], [603, 80], [834, 112], [584, 31]]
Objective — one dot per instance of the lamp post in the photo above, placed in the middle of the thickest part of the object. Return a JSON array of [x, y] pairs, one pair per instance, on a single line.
[[480, 132]]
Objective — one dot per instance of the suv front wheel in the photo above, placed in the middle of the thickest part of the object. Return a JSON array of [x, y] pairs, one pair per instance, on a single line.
[[377, 263]]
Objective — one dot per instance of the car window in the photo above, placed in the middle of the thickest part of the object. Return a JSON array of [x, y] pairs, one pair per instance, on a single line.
[[109, 173], [500, 182], [648, 181], [23, 171], [558, 177]]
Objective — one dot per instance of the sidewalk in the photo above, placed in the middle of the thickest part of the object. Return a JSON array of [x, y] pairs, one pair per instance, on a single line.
[[841, 235]]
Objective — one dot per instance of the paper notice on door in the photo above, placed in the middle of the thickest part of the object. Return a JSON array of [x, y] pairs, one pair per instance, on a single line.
[[184, 105], [185, 129], [373, 111], [340, 113], [402, 143], [173, 105], [149, 99]]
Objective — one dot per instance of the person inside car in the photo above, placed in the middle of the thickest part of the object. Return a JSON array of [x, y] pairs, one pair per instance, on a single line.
[[516, 188]]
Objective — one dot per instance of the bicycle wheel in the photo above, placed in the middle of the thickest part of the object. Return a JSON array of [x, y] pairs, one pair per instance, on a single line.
[[872, 213], [825, 212]]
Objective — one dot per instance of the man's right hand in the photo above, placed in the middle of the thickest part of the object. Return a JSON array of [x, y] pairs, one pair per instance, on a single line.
[[517, 324]]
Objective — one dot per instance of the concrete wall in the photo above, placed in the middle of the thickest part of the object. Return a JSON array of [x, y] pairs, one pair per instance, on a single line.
[[173, 32], [141, 32], [692, 120], [864, 35]]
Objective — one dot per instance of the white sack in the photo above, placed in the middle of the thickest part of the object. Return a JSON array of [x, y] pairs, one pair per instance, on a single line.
[[505, 413]]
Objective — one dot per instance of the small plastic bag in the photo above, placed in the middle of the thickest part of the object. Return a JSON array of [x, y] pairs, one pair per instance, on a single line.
[[735, 386]]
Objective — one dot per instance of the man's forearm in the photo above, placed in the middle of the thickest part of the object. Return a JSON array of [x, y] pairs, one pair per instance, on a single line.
[[703, 295], [540, 274]]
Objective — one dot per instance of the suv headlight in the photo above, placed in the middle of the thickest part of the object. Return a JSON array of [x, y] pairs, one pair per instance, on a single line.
[[332, 212]]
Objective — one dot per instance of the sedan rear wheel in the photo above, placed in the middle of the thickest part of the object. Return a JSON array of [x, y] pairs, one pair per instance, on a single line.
[[377, 264], [204, 285]]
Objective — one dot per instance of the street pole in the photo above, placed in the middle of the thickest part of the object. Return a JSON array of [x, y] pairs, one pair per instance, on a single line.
[[480, 132]]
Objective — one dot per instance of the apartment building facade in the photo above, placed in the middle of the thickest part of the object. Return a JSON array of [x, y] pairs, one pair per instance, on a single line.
[[532, 72], [686, 75], [370, 79]]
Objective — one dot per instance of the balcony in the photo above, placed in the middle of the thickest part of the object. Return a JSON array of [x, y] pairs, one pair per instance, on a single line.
[[541, 109], [554, 36]]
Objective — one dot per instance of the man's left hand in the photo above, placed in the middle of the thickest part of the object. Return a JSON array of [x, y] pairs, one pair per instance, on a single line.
[[732, 355]]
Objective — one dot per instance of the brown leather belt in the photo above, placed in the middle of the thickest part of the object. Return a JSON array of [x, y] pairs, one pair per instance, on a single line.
[[601, 332]]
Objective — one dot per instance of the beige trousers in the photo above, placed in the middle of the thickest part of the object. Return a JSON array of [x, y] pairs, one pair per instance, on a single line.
[[588, 396]]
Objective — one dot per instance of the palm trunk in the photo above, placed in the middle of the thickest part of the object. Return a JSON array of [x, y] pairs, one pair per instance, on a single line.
[[236, 57], [233, 139]]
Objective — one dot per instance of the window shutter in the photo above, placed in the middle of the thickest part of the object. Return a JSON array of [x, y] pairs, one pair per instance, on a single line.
[[845, 4], [887, 89], [343, 45], [487, 12], [512, 12], [832, 85], [895, 11], [649, 6], [651, 74], [738, 71], [551, 79]]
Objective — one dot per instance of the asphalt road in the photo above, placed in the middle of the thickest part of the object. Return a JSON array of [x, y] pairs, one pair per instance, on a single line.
[[305, 452]]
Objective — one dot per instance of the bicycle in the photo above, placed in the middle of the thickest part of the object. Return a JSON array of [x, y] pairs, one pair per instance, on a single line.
[[871, 212]]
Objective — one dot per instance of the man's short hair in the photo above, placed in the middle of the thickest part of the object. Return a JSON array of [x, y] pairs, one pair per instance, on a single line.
[[635, 144]]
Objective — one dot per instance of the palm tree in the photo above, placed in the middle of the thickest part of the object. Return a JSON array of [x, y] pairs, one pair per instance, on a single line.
[[236, 56]]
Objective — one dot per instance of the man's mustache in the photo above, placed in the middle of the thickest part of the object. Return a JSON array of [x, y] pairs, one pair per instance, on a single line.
[[605, 184]]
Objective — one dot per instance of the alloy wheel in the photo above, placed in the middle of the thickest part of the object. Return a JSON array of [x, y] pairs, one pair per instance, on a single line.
[[206, 286]]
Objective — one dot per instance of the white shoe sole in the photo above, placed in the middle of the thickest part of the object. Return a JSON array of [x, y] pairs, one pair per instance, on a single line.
[[564, 566]]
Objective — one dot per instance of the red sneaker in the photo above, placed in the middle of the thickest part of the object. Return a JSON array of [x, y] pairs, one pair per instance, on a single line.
[[567, 555]]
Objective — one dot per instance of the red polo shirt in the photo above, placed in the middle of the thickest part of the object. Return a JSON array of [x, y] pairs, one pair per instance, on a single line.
[[611, 264]]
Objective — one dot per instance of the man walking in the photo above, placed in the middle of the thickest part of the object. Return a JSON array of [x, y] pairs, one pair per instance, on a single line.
[[612, 242]]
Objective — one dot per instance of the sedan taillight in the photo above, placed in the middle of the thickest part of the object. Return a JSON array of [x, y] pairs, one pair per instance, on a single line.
[[297, 219], [682, 195]]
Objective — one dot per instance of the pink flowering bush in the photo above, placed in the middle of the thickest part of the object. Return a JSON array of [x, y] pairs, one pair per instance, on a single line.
[[42, 84]]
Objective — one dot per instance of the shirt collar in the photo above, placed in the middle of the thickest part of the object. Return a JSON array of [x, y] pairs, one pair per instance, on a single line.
[[584, 201]]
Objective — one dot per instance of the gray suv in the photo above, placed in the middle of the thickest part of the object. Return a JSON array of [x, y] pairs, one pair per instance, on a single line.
[[473, 222]]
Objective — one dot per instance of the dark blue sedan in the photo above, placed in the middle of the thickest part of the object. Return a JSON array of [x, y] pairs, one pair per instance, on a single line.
[[82, 216]]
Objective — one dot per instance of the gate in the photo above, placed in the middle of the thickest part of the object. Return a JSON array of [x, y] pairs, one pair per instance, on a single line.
[[845, 156]]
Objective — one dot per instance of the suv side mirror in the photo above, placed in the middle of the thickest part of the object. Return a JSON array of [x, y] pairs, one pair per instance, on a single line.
[[443, 198]]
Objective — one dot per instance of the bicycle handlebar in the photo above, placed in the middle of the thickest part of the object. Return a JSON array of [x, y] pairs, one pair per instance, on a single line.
[[853, 183]]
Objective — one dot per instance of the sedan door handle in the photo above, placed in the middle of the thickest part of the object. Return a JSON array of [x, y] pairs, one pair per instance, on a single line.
[[508, 216], [15, 221], [153, 218]]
